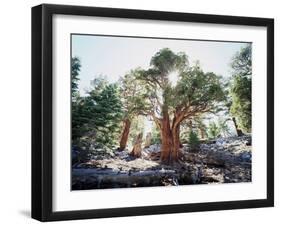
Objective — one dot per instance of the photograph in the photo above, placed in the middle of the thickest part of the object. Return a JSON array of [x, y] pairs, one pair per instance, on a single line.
[[159, 112], [146, 112]]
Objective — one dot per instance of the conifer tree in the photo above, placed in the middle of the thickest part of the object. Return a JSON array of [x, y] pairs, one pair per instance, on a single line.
[[241, 88]]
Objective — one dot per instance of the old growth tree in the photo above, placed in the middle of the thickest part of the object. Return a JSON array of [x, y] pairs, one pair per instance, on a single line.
[[168, 104], [132, 96]]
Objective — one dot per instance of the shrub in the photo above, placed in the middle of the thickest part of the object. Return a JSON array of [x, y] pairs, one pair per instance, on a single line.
[[213, 130], [193, 141]]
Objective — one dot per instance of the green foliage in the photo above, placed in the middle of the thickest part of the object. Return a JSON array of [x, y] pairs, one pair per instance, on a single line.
[[80, 117], [193, 140], [132, 95], [241, 88], [213, 130], [106, 113], [155, 80], [195, 90], [166, 61], [242, 61], [98, 115], [192, 125], [75, 69]]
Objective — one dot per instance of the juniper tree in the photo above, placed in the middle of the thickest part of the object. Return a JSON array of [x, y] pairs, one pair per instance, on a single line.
[[195, 92]]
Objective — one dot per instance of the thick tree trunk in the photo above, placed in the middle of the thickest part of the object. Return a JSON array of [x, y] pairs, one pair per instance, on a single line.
[[136, 152], [125, 134], [238, 131], [170, 141], [176, 143], [166, 138]]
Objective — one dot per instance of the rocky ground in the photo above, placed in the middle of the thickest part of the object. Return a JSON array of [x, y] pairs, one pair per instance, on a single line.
[[225, 160]]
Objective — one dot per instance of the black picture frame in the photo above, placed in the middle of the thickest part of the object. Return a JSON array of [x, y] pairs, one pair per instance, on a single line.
[[42, 111]]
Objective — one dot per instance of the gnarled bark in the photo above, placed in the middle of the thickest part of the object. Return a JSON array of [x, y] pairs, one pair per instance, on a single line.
[[176, 143], [166, 138], [170, 136], [125, 135], [136, 151]]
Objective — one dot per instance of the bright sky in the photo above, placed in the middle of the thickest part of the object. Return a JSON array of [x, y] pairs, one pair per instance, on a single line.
[[113, 57]]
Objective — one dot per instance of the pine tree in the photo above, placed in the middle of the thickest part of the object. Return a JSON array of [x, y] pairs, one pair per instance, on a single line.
[[105, 113], [98, 115], [213, 130], [193, 141]]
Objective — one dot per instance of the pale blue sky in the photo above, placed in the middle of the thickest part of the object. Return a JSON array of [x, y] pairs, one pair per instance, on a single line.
[[115, 56]]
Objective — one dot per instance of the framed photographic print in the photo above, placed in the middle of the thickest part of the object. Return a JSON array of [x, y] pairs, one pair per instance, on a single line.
[[145, 112]]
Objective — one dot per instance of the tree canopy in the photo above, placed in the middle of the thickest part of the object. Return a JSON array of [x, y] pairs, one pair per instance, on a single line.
[[195, 92], [109, 110], [98, 114], [75, 70]]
